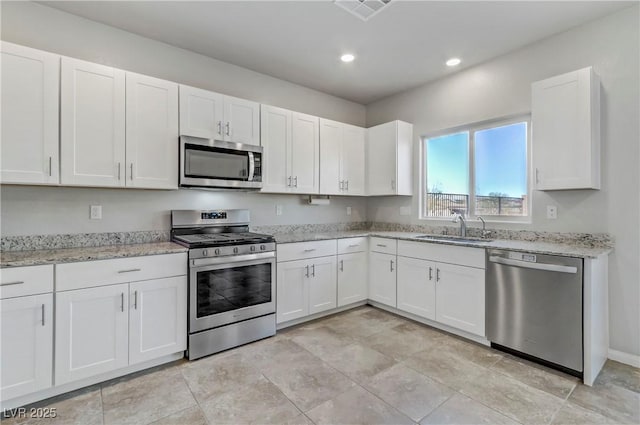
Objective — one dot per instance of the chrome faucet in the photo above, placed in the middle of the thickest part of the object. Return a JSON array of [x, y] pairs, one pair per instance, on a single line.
[[459, 216], [485, 232]]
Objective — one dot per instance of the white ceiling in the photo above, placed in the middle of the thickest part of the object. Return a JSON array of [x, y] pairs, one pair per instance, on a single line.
[[403, 46]]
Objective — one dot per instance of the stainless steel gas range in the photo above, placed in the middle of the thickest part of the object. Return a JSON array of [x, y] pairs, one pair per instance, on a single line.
[[232, 279]]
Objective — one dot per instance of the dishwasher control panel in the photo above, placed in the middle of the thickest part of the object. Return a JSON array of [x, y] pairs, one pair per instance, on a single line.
[[522, 256]]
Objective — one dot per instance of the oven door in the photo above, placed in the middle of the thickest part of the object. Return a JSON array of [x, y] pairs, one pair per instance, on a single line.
[[215, 163], [231, 289]]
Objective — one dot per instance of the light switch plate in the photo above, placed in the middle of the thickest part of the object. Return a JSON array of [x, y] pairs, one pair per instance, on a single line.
[[278, 209], [95, 212], [348, 210], [552, 212]]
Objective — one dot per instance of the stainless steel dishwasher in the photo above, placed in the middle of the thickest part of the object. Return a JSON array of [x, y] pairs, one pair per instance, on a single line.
[[534, 306]]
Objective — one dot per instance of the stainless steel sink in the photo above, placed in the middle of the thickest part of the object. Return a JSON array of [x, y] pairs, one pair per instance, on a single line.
[[452, 238]]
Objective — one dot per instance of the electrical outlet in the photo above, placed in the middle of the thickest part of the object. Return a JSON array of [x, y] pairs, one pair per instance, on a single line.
[[278, 209], [552, 212], [95, 212], [348, 210]]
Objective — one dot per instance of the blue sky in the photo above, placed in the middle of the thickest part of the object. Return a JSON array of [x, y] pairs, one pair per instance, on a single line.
[[500, 161]]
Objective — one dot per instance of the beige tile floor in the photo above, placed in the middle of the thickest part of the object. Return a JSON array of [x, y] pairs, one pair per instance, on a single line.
[[364, 366]]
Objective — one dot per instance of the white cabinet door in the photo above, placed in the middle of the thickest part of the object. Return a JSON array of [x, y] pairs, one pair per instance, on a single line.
[[292, 299], [565, 115], [152, 133], [331, 181], [29, 119], [381, 159], [158, 318], [460, 297], [322, 284], [201, 113], [92, 332], [276, 142], [305, 153], [241, 121], [353, 159], [352, 278], [92, 124], [26, 360], [382, 278], [417, 287]]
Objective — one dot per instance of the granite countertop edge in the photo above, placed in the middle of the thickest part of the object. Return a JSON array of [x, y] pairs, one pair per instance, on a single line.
[[71, 255], [538, 247]]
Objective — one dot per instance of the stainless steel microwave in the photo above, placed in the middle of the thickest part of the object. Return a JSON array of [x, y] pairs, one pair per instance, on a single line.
[[216, 164]]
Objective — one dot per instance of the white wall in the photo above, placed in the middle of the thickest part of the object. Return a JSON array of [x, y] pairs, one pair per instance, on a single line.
[[501, 87], [44, 210]]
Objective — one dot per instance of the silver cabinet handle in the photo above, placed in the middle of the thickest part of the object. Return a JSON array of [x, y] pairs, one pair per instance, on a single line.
[[122, 301], [393, 185], [341, 184], [50, 159], [346, 185], [17, 282], [42, 314], [119, 171], [132, 171], [289, 179], [309, 250], [341, 265], [307, 273], [430, 273], [295, 180], [437, 275], [381, 245], [135, 300], [220, 128], [391, 265], [355, 245], [313, 270], [129, 270], [537, 175], [228, 129]]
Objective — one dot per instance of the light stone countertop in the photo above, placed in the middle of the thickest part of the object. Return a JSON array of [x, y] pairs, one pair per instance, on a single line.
[[69, 255], [537, 247]]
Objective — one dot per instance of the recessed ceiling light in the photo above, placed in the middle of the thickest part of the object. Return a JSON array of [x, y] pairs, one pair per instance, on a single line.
[[347, 58], [453, 62]]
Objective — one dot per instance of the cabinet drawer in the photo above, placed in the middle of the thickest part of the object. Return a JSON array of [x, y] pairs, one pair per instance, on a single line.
[[303, 250], [383, 245], [461, 255], [21, 281], [348, 245], [107, 272]]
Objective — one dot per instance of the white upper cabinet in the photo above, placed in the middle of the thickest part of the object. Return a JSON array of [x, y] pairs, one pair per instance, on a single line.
[[242, 121], [305, 153], [92, 124], [291, 151], [29, 119], [389, 159], [342, 158], [151, 132], [215, 116], [565, 116], [201, 113]]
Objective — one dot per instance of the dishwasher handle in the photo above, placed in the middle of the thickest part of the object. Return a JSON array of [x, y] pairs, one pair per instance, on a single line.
[[536, 266]]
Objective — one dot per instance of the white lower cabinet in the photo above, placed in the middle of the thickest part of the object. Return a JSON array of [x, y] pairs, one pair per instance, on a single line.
[[26, 360], [417, 287], [460, 297], [91, 332], [322, 284], [352, 278], [382, 278], [293, 291], [157, 318]]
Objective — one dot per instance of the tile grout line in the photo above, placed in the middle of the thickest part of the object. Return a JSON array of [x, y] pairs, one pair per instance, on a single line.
[[437, 407], [194, 397]]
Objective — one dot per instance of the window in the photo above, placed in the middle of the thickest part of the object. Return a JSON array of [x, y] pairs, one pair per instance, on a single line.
[[478, 170]]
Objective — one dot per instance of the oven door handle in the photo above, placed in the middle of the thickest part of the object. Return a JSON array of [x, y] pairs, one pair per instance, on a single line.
[[232, 259], [252, 166]]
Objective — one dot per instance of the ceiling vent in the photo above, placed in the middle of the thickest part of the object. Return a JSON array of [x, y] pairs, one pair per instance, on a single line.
[[363, 9]]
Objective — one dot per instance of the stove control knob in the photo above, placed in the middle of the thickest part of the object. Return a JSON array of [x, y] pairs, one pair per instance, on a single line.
[[235, 250], [253, 248], [262, 247], [217, 251], [205, 252]]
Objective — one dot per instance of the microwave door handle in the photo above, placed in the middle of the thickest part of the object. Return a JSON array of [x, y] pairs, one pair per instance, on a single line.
[[252, 166]]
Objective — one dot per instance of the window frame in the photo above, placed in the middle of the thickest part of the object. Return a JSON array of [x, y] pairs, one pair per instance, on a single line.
[[472, 129]]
